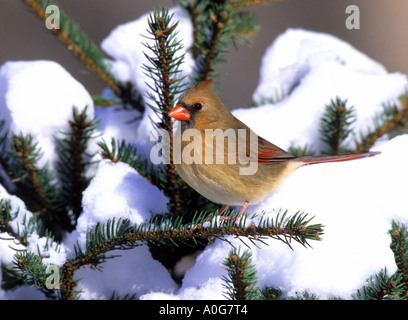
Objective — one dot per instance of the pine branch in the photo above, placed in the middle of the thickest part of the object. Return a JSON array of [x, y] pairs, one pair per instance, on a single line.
[[35, 186], [38, 180], [29, 267], [399, 246], [304, 295], [171, 231], [75, 161], [130, 96], [127, 296], [392, 118], [192, 7], [210, 43], [216, 25], [209, 57], [100, 240], [302, 152], [51, 204], [5, 218], [11, 278], [269, 293], [100, 101], [163, 68], [25, 228], [380, 287], [335, 125], [77, 42], [241, 280], [34, 272], [242, 27]]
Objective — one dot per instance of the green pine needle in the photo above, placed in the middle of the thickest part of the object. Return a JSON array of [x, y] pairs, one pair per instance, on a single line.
[[75, 161], [36, 183], [399, 246], [381, 287], [390, 121], [241, 281], [164, 67], [335, 125]]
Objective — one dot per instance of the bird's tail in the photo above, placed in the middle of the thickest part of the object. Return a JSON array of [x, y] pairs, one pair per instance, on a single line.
[[337, 157]]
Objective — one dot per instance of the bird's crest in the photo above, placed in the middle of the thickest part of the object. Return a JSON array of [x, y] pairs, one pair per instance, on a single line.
[[201, 91], [204, 84]]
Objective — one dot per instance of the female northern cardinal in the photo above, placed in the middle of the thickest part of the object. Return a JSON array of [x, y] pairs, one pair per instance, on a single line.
[[200, 109]]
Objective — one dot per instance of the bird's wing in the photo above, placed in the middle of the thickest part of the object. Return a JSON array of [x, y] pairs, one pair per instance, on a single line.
[[259, 149], [268, 152]]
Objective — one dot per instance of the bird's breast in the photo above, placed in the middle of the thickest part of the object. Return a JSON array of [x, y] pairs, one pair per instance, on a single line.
[[213, 169]]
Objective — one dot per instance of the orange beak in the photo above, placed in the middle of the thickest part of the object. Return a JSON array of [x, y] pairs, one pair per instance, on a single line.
[[180, 113]]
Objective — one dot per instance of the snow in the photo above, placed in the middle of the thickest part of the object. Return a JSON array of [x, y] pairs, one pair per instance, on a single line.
[[135, 271], [51, 253], [319, 69], [296, 52], [129, 56], [355, 201], [43, 98], [351, 201], [116, 122], [117, 192]]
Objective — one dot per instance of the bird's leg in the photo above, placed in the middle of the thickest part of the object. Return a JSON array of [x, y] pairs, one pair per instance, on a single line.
[[241, 212], [222, 209], [220, 212]]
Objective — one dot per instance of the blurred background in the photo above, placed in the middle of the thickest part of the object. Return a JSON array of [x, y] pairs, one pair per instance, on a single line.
[[381, 36]]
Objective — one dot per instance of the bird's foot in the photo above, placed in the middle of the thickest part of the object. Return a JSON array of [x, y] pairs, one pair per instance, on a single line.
[[231, 219]]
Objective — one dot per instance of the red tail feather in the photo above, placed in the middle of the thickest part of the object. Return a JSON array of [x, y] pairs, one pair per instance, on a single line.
[[337, 157]]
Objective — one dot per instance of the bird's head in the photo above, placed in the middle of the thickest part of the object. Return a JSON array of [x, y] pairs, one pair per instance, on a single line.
[[199, 107]]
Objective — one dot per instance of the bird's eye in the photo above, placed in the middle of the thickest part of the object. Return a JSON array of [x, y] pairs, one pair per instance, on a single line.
[[198, 106]]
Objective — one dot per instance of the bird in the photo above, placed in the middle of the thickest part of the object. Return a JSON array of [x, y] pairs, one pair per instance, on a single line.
[[200, 111]]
